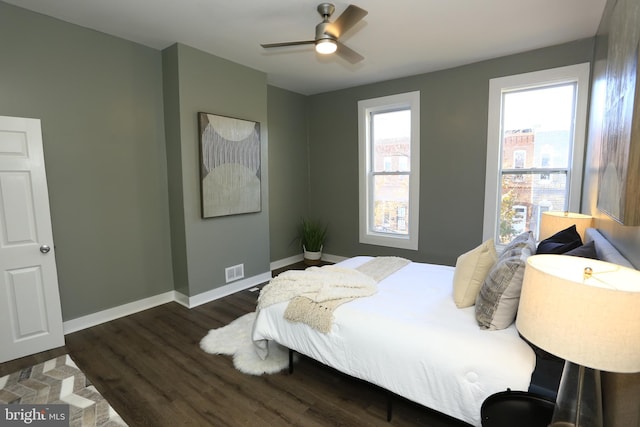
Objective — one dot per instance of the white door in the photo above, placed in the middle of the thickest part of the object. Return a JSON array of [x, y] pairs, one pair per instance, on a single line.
[[30, 313]]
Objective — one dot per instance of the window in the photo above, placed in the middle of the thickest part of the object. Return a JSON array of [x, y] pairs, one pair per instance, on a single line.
[[389, 169], [535, 148]]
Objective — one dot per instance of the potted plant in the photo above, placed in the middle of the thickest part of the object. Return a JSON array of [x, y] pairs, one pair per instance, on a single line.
[[312, 237]]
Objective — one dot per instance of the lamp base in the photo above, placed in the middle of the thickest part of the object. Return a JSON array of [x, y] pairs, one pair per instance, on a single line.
[[579, 402]]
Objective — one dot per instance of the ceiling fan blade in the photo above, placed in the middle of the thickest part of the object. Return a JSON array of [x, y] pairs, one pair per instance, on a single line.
[[268, 45], [350, 17], [348, 53]]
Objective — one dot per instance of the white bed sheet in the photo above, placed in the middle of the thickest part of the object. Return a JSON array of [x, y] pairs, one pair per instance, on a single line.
[[411, 339]]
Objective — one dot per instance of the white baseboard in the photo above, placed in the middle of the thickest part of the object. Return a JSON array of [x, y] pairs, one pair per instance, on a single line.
[[286, 261], [229, 289], [333, 258], [114, 313], [298, 258], [103, 316], [182, 299]]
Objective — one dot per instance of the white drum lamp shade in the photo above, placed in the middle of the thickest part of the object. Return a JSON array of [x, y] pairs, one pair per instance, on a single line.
[[586, 312], [553, 221]]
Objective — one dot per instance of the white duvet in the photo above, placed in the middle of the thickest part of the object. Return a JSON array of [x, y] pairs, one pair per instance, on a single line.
[[411, 339]]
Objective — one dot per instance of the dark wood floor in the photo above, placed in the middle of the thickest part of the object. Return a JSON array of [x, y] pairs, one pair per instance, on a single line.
[[151, 369]]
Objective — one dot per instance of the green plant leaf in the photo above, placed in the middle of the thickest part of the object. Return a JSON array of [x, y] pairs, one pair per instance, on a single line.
[[312, 234]]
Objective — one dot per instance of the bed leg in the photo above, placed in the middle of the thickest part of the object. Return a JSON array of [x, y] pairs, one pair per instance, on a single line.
[[290, 361], [389, 406]]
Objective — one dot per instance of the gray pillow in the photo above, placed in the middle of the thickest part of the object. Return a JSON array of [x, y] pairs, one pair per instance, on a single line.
[[588, 250], [499, 296], [519, 241]]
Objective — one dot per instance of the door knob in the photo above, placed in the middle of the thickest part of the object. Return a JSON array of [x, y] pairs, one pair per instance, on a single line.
[[45, 249]]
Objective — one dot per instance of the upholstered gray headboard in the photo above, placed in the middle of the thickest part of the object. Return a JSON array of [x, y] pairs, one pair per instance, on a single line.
[[605, 250]]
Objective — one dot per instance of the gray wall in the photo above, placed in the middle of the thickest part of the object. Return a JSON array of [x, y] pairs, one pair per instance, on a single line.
[[123, 230], [289, 170], [453, 131], [200, 82], [100, 102], [171, 92]]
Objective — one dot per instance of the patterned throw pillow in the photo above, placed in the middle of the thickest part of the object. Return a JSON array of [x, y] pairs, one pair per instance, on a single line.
[[499, 296]]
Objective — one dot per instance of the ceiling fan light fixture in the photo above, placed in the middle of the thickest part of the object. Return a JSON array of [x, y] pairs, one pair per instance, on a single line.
[[326, 46], [328, 33]]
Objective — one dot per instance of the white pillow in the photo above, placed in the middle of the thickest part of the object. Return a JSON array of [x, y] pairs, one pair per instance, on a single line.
[[471, 269]]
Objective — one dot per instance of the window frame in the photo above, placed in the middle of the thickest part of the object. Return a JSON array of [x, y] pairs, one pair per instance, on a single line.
[[366, 107], [578, 73]]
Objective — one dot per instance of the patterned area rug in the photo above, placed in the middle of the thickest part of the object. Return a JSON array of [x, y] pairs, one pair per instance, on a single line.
[[59, 381]]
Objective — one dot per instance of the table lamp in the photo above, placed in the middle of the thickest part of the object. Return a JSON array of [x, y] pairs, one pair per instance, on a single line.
[[553, 221], [586, 312]]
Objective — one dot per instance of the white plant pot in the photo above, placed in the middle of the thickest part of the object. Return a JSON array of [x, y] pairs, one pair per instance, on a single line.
[[312, 258]]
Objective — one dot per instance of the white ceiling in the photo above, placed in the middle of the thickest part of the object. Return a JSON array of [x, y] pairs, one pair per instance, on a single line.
[[397, 38]]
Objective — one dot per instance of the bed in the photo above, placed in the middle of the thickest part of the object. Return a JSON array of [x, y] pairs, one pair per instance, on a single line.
[[413, 340]]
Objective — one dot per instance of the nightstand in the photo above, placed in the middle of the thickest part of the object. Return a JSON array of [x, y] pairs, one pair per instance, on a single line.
[[511, 408]]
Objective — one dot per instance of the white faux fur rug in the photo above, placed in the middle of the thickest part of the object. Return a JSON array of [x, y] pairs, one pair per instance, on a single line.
[[235, 340]]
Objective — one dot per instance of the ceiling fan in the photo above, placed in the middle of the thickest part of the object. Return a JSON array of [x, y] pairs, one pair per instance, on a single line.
[[328, 33]]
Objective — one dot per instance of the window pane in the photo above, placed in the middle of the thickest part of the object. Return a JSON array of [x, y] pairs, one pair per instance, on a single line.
[[538, 127], [388, 160], [391, 132], [391, 204], [525, 197], [536, 133]]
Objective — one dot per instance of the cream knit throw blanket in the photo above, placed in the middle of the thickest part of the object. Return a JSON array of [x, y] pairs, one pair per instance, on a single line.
[[316, 292]]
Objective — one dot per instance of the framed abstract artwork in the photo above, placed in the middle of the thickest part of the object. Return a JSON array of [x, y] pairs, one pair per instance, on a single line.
[[619, 171], [229, 165]]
